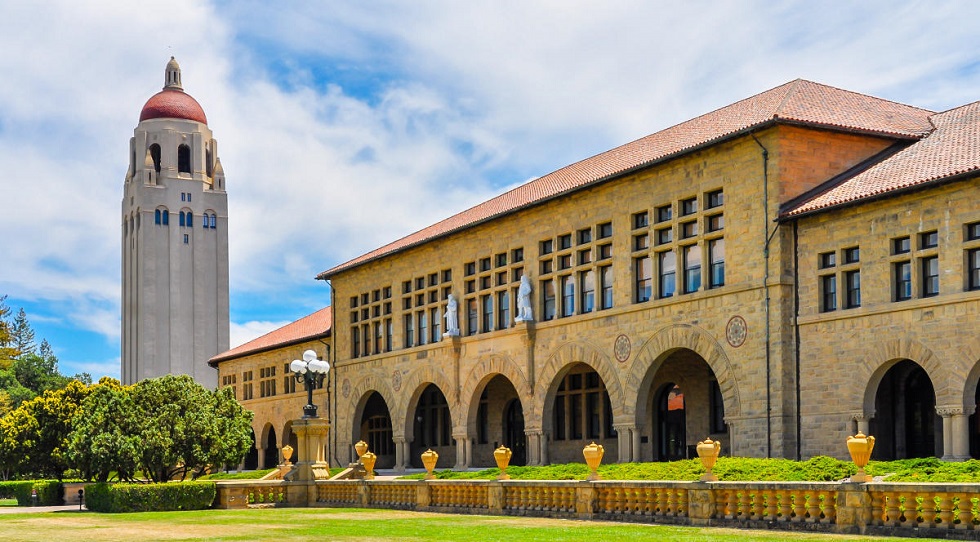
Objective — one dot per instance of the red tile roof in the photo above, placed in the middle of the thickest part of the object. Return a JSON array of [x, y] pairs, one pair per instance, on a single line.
[[314, 326], [173, 104], [798, 101], [953, 149]]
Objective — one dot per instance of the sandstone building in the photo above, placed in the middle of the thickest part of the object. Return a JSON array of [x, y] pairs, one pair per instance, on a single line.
[[776, 274], [174, 241]]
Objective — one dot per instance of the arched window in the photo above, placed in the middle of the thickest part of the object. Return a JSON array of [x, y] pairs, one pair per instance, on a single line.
[[155, 155], [190, 220], [156, 216], [182, 219], [166, 217], [209, 162], [214, 221], [204, 221], [183, 159]]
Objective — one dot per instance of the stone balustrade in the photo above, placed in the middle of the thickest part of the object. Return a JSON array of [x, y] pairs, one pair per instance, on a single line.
[[909, 509]]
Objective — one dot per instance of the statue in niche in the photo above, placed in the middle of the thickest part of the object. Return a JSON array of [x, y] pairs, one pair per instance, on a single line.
[[452, 318], [524, 301]]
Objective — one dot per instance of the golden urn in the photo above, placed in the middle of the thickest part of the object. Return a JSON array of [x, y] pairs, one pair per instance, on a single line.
[[361, 448], [502, 455], [429, 459], [287, 453], [708, 451], [368, 459], [593, 456], [860, 447]]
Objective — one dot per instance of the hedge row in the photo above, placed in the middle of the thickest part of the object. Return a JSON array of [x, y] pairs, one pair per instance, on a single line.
[[150, 497], [49, 492]]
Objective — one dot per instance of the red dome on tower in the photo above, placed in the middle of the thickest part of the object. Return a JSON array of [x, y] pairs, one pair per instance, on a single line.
[[173, 104]]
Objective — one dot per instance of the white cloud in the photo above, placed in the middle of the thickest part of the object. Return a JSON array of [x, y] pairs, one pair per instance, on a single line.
[[246, 331], [343, 126]]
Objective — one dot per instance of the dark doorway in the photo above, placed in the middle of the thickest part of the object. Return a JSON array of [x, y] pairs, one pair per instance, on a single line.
[[514, 437], [376, 431], [672, 424], [271, 451], [905, 423], [433, 429], [251, 461]]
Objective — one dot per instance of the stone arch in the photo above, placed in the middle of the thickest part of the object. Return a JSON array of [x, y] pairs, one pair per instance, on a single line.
[[357, 399], [266, 426], [558, 365], [971, 353], [885, 355], [417, 381], [658, 348], [485, 370]]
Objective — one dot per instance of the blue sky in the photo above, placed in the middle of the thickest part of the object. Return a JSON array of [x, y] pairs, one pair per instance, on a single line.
[[345, 125]]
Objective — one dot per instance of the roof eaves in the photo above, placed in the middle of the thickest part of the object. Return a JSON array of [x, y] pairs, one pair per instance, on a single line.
[[220, 358]]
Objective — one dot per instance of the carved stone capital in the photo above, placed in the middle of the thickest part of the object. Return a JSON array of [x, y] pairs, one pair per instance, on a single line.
[[949, 410]]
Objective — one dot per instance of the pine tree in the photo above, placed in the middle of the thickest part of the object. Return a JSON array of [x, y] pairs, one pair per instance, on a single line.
[[7, 352], [22, 334]]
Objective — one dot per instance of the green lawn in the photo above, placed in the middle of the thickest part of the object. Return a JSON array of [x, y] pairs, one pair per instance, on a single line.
[[8, 502], [356, 525]]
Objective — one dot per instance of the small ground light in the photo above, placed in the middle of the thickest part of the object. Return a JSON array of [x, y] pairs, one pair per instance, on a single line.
[[34, 497], [81, 499]]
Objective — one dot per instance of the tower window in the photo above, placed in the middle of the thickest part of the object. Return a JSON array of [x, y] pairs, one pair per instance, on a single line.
[[155, 156], [166, 217], [183, 159], [190, 220], [183, 220], [156, 216]]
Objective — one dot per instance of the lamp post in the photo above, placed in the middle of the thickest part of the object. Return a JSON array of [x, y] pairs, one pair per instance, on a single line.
[[311, 372]]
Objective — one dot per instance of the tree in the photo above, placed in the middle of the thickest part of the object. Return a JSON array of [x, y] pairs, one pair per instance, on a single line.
[[7, 352], [22, 334], [105, 434], [185, 428], [41, 427]]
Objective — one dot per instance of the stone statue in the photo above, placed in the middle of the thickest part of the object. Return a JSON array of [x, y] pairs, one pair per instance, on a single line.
[[452, 318], [524, 301]]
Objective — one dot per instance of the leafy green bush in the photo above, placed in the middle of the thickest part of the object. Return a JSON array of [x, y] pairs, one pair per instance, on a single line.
[[49, 492], [150, 497]]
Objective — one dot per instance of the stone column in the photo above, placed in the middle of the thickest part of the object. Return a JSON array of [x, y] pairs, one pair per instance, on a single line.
[[261, 454], [311, 436], [533, 446], [863, 422], [400, 454], [462, 445], [624, 437], [543, 454], [956, 435]]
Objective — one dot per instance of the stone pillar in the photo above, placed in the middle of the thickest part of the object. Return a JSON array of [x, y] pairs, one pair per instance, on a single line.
[[462, 445], [854, 511], [261, 454], [400, 455], [628, 438], [956, 433], [543, 454], [311, 436], [863, 422], [533, 446]]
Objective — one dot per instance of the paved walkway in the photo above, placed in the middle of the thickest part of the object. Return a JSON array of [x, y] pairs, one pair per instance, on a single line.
[[39, 509]]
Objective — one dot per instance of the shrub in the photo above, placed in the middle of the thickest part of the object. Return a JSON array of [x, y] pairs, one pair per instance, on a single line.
[[150, 497], [49, 492]]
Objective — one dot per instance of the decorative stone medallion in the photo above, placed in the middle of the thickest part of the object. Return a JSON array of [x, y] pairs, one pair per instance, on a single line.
[[345, 388], [736, 331], [396, 380], [622, 348]]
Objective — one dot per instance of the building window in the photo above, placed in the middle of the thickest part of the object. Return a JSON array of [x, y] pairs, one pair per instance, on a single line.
[[585, 236], [828, 292], [355, 340], [183, 159], [606, 287], [423, 327], [564, 241], [156, 216], [641, 220], [689, 206], [567, 295], [472, 317], [692, 269], [668, 274], [487, 303], [183, 219], [715, 199], [643, 273], [716, 257], [547, 300], [190, 220], [436, 319], [389, 335], [587, 297], [378, 337], [852, 281], [901, 245], [547, 246], [852, 255], [828, 260], [409, 330], [155, 156], [582, 408], [503, 309], [930, 276], [187, 239], [973, 269], [605, 230], [664, 213], [903, 280], [929, 239]]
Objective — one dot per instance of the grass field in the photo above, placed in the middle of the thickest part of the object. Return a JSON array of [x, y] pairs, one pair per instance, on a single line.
[[354, 524]]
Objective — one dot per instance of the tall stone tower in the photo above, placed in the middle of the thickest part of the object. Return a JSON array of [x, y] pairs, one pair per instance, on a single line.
[[174, 242]]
